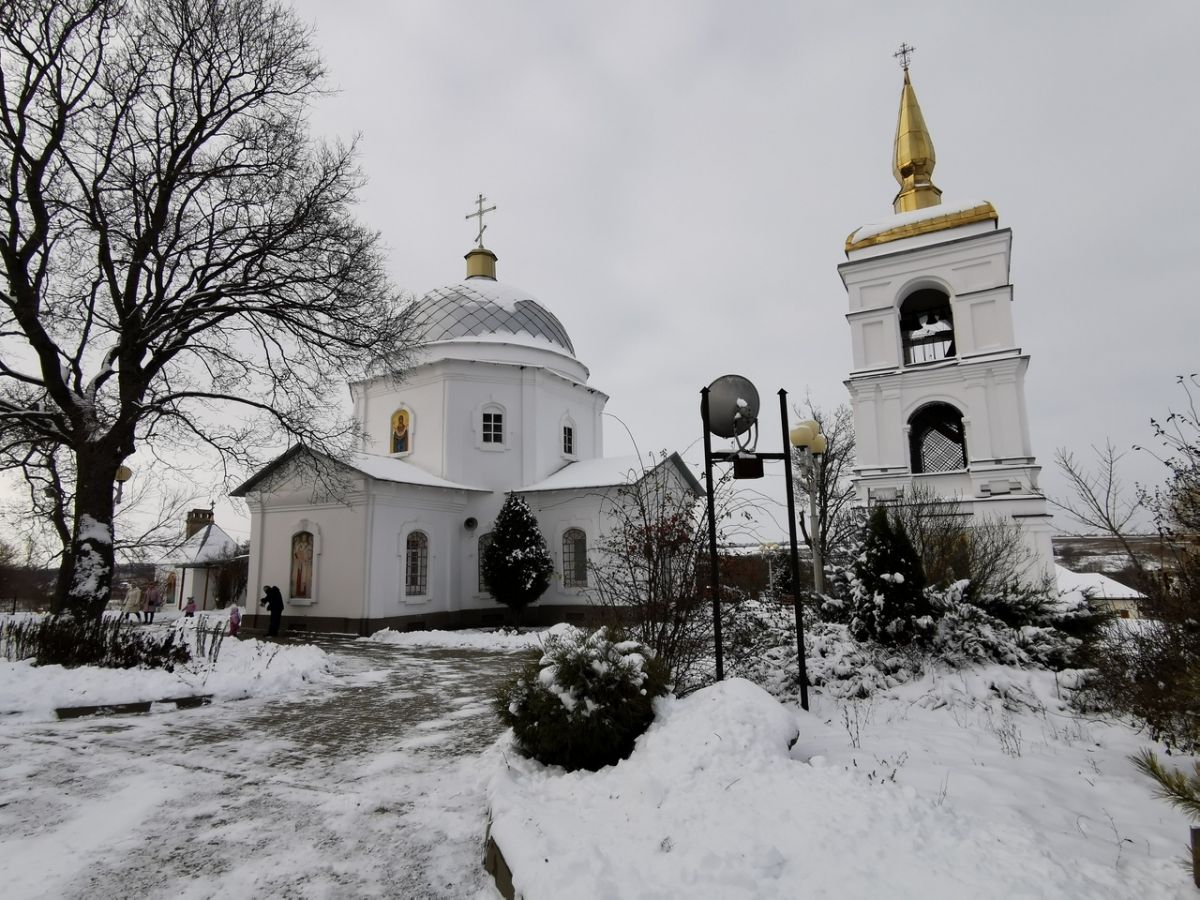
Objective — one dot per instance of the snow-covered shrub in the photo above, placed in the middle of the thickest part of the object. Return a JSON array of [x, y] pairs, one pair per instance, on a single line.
[[887, 592], [847, 668], [110, 643], [584, 702], [966, 634]]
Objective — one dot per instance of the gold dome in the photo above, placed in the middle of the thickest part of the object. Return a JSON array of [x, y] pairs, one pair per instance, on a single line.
[[914, 157]]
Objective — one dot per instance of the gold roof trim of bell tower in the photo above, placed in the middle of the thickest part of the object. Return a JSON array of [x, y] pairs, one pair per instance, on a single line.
[[914, 157], [953, 218]]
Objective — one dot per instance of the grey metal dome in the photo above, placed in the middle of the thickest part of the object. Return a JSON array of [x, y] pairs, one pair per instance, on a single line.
[[482, 306]]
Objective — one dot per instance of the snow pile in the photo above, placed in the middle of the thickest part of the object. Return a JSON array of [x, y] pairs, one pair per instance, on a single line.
[[470, 638], [982, 797], [243, 668]]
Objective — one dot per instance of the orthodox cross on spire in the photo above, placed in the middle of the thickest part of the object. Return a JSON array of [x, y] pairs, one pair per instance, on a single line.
[[478, 214], [903, 54]]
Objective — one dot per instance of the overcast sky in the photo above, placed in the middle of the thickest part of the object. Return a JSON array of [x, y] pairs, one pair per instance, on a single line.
[[676, 180]]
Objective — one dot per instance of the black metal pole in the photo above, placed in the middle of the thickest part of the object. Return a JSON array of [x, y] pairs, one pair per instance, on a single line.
[[791, 505], [713, 562]]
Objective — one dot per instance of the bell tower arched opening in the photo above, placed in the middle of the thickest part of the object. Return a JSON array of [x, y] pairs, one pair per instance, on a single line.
[[927, 327], [936, 439]]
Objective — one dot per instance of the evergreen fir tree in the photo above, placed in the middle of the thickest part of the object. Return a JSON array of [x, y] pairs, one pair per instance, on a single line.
[[889, 586], [516, 564]]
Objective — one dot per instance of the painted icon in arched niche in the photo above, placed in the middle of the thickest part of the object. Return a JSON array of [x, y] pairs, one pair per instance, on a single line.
[[401, 431], [302, 564]]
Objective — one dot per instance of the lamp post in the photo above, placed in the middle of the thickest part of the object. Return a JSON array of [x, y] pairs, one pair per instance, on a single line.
[[729, 409], [806, 436]]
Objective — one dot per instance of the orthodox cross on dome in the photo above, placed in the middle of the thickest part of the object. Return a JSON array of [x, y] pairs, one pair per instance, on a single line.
[[903, 54], [478, 214]]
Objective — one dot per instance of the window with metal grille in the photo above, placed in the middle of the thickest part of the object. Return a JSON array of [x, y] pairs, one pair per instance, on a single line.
[[937, 440], [485, 541], [926, 327], [568, 440], [574, 572], [493, 427], [416, 564]]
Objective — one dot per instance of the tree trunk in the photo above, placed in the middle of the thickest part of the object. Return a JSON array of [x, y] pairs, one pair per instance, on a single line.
[[88, 569]]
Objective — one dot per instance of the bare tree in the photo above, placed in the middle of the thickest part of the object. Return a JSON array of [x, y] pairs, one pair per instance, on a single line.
[[1099, 501], [1152, 671], [650, 569], [173, 246], [953, 544], [838, 520]]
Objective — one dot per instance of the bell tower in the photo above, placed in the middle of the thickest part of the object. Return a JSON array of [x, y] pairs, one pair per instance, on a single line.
[[938, 380]]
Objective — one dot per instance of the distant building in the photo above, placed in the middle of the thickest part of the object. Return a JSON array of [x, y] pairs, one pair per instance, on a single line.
[[1111, 595], [195, 567]]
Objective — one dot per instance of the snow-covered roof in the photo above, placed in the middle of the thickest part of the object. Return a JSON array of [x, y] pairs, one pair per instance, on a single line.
[[1093, 584], [609, 472], [912, 218], [588, 473], [208, 544], [381, 468], [389, 468]]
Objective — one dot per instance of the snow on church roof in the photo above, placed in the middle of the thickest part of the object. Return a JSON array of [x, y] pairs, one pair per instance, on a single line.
[[920, 221], [387, 468], [480, 307], [381, 468], [608, 472]]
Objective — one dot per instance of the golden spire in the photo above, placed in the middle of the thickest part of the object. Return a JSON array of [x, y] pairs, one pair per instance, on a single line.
[[915, 157]]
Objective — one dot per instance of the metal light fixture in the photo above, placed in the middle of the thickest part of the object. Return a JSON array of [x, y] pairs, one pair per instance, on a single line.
[[122, 475], [806, 436]]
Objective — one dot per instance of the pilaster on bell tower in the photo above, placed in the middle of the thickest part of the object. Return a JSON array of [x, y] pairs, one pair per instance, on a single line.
[[938, 379]]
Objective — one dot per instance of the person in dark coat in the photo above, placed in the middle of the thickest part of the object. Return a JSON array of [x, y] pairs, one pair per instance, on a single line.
[[273, 599]]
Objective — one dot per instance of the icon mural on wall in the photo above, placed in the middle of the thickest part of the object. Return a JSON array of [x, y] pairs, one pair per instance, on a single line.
[[302, 559], [400, 431]]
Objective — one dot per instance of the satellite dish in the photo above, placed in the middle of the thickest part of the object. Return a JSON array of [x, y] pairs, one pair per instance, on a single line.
[[732, 406]]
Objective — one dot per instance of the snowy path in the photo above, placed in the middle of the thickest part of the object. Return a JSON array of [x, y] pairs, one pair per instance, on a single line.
[[371, 787]]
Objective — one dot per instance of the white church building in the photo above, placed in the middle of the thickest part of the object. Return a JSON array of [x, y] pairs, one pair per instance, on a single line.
[[496, 402], [937, 382]]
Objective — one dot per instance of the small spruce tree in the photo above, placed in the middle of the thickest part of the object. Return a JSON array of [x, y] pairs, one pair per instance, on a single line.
[[516, 564], [888, 590]]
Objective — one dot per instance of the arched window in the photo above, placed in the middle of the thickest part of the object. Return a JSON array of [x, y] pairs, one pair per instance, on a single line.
[[416, 565], [936, 439], [302, 565], [485, 541], [574, 558], [401, 436], [926, 327]]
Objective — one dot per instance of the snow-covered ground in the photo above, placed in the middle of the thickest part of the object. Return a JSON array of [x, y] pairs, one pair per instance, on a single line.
[[468, 638], [977, 784], [366, 783], [242, 668], [371, 777]]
